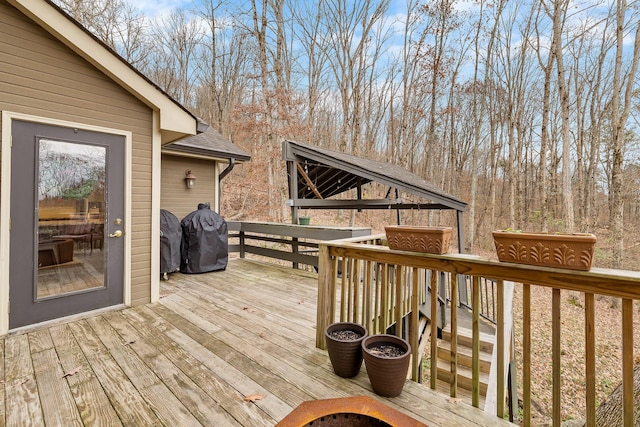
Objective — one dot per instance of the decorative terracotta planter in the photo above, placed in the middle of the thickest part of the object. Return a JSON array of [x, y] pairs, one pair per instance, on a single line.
[[571, 251], [345, 355], [386, 374], [433, 240]]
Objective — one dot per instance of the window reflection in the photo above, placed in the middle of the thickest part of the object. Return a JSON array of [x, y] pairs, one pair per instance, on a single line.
[[71, 206]]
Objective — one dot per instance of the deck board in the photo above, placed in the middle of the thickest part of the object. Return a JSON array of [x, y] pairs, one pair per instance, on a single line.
[[193, 358], [89, 396], [58, 405], [215, 387], [130, 406]]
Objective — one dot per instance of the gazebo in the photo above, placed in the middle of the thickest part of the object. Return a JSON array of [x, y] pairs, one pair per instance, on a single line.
[[317, 174]]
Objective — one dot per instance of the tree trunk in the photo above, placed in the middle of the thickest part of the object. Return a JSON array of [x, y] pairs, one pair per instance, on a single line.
[[609, 413], [559, 16], [618, 120]]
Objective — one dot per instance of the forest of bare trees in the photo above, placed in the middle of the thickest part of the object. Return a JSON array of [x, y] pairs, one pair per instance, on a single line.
[[526, 110]]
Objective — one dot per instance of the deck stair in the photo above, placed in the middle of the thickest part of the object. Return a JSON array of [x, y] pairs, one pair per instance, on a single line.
[[464, 361]]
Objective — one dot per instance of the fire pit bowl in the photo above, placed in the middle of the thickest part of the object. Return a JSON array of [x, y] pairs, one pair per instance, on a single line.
[[358, 411]]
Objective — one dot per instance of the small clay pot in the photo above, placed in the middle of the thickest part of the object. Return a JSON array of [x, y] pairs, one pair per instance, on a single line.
[[386, 374], [345, 356]]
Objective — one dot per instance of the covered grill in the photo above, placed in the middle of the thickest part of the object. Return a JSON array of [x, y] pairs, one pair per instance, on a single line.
[[170, 241], [204, 241]]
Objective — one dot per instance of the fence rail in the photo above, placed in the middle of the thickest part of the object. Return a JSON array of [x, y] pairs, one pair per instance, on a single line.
[[390, 289], [297, 244]]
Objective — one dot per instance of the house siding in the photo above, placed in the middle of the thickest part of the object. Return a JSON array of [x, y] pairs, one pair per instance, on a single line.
[[176, 197], [42, 77]]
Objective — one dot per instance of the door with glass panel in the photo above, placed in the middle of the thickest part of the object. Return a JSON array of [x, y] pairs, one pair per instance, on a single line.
[[67, 213]]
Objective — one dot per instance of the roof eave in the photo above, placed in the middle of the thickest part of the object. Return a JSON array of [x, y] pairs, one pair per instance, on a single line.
[[205, 153]]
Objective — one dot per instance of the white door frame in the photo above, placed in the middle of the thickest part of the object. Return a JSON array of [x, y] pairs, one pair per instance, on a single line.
[[5, 203]]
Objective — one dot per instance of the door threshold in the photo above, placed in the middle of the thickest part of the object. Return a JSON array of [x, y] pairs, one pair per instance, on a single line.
[[66, 319]]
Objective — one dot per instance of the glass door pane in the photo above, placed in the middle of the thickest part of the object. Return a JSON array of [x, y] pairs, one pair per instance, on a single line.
[[71, 210]]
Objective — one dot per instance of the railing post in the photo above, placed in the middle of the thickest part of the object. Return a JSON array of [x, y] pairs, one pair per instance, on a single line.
[[326, 294], [294, 249], [434, 331], [500, 335], [627, 362], [463, 294], [399, 313], [526, 354], [442, 294], [590, 358], [453, 363], [241, 238], [513, 380], [556, 348], [475, 342], [413, 329]]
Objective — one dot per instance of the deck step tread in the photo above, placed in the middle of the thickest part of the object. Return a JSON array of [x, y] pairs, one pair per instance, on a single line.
[[464, 376], [465, 337], [464, 356]]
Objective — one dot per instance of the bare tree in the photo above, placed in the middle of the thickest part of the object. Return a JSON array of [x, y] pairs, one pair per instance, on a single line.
[[117, 23], [515, 75], [274, 63], [479, 109], [177, 38], [406, 123], [223, 66], [348, 53], [312, 35], [436, 62], [619, 114], [89, 13], [558, 14]]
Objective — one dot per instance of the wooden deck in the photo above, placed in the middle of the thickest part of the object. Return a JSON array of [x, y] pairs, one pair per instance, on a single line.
[[232, 348]]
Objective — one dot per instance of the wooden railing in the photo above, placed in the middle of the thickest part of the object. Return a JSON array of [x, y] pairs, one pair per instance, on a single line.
[[297, 244], [376, 295]]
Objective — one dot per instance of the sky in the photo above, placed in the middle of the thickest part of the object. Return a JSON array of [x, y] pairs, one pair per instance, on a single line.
[[154, 8]]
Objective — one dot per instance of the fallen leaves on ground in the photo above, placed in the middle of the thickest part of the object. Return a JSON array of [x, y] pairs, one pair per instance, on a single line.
[[608, 336], [72, 372], [253, 397]]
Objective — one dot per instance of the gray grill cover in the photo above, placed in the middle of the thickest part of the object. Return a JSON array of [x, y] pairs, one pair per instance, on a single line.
[[170, 241], [204, 241]]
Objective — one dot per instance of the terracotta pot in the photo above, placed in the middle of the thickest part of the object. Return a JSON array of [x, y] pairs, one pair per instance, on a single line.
[[572, 251], [345, 356], [433, 240], [386, 374]]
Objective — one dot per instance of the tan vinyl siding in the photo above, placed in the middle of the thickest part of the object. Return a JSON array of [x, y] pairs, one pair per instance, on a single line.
[[40, 76], [176, 197]]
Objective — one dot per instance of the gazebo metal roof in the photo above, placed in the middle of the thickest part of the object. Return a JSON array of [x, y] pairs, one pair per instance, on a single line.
[[316, 174]]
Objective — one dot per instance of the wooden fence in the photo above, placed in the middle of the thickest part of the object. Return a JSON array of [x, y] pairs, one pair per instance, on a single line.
[[297, 244]]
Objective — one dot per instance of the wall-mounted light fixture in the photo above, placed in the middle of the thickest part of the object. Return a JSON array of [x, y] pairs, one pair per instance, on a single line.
[[190, 179]]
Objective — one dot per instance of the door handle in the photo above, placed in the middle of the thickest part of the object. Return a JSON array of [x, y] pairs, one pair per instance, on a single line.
[[117, 233]]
